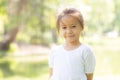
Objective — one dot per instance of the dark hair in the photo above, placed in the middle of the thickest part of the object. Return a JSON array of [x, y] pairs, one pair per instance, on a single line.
[[72, 12]]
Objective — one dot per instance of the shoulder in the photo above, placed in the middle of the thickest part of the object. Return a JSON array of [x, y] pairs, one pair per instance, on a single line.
[[87, 50], [86, 47]]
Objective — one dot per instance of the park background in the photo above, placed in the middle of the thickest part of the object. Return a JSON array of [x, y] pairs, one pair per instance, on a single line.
[[28, 31]]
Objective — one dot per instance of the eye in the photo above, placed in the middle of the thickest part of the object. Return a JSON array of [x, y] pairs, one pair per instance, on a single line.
[[73, 26], [64, 27]]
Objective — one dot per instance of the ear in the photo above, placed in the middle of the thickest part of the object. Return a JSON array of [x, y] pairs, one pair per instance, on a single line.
[[82, 28]]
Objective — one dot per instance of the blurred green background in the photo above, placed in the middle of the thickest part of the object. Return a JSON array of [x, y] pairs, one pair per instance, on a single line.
[[28, 30]]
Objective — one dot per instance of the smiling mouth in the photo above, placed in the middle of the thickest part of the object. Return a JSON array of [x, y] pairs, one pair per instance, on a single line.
[[70, 36]]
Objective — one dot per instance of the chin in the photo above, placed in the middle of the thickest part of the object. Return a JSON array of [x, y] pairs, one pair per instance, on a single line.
[[70, 41]]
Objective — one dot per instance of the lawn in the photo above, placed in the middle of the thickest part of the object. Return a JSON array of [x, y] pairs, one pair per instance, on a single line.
[[107, 53]]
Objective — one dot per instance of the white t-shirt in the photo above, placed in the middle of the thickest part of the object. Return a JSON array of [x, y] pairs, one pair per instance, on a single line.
[[73, 64]]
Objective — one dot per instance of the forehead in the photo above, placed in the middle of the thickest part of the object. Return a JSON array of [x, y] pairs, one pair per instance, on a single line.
[[68, 20]]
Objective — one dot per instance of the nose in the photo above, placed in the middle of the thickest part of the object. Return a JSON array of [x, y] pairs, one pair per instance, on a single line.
[[69, 31]]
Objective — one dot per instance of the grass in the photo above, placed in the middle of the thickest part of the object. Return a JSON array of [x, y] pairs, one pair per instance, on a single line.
[[107, 57], [107, 53], [27, 71]]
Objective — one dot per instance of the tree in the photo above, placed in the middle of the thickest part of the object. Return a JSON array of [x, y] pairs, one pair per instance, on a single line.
[[116, 20], [9, 36]]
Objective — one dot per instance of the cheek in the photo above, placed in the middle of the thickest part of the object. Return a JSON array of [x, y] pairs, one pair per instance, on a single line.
[[62, 32], [78, 32]]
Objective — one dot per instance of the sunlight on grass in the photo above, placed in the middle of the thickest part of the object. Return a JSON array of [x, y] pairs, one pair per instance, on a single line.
[[107, 77], [17, 77], [44, 77]]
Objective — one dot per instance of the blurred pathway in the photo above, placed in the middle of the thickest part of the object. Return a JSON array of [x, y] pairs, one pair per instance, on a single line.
[[30, 53], [32, 50]]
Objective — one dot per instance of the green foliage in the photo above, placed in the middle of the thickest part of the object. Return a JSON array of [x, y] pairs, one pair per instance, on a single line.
[[6, 63], [23, 38], [5, 67], [2, 7], [26, 69], [33, 72], [13, 48], [39, 17], [1, 74]]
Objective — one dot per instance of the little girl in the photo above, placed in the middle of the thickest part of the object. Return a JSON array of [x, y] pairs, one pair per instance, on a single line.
[[72, 60]]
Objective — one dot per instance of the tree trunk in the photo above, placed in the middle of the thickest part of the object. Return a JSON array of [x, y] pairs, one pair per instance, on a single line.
[[10, 36]]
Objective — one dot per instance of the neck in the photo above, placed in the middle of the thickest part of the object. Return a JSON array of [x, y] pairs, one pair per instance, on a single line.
[[72, 43]]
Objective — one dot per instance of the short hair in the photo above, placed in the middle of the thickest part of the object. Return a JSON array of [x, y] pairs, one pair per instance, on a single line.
[[72, 12]]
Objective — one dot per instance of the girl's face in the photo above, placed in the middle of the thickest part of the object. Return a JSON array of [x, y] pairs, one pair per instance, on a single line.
[[70, 28]]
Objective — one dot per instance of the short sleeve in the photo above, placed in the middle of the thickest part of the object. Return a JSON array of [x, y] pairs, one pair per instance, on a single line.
[[51, 59], [90, 61]]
